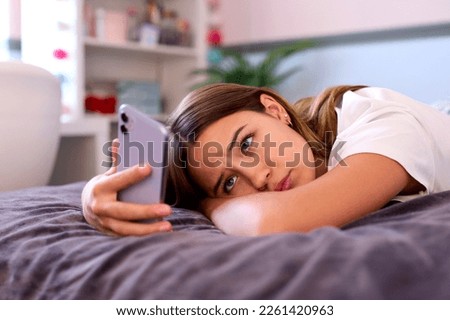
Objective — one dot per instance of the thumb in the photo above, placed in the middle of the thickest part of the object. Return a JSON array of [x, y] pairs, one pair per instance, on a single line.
[[114, 156]]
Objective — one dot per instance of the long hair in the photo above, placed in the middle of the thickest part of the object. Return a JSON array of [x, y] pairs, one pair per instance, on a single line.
[[318, 112], [312, 118]]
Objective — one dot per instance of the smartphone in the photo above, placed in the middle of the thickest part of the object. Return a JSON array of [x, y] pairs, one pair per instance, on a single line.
[[142, 140]]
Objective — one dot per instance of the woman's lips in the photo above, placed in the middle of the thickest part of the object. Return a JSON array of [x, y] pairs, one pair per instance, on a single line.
[[284, 184]]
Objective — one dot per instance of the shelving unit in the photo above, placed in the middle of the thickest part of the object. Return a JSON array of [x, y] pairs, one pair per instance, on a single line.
[[92, 59], [165, 52], [168, 65], [60, 25]]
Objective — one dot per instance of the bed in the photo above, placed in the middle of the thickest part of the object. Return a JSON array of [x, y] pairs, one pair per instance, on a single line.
[[48, 251]]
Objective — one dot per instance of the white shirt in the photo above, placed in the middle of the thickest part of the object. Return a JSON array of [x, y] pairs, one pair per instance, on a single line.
[[382, 121]]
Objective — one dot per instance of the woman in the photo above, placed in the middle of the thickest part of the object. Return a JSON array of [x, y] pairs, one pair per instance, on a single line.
[[256, 165]]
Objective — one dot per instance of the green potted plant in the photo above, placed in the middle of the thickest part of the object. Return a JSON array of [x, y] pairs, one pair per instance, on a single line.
[[236, 68]]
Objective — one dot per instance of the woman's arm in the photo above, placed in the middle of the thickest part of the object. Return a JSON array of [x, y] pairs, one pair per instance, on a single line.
[[359, 185]]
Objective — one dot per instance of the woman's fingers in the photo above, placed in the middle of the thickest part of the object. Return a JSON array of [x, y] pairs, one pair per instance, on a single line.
[[114, 151], [120, 227], [114, 156], [132, 211], [111, 171], [124, 179]]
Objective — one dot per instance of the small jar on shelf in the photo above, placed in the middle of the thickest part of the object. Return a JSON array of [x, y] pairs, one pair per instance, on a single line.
[[133, 24], [170, 34]]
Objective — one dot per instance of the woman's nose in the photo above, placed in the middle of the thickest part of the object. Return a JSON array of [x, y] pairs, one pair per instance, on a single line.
[[258, 176]]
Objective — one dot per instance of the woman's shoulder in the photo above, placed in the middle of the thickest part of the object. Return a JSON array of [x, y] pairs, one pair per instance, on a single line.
[[377, 94], [378, 120], [367, 103], [376, 101], [381, 94]]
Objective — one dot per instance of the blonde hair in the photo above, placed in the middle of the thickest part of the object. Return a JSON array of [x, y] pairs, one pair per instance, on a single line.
[[314, 118], [319, 114]]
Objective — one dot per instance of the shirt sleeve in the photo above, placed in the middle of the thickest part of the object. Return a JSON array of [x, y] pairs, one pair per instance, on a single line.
[[380, 127]]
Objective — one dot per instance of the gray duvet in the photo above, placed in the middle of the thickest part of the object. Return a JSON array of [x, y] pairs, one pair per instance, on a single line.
[[48, 251]]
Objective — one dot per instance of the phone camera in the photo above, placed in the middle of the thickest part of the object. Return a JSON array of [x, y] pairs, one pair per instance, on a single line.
[[124, 117], [124, 129]]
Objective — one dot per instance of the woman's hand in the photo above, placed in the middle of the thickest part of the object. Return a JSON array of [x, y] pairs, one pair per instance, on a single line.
[[102, 210]]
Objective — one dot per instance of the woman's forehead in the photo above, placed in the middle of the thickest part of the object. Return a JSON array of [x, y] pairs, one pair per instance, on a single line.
[[205, 164], [221, 131]]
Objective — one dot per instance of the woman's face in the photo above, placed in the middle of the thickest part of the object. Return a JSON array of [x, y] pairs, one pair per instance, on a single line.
[[249, 152]]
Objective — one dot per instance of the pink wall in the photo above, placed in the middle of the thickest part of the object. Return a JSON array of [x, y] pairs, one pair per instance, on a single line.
[[14, 22], [253, 21]]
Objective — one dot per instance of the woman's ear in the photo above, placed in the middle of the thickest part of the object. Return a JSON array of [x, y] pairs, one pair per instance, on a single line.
[[274, 108]]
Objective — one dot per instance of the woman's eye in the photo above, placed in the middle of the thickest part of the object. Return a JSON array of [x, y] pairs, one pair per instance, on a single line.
[[246, 144], [229, 184]]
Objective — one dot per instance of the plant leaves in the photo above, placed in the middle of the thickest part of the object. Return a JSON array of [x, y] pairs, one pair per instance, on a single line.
[[275, 56], [235, 67]]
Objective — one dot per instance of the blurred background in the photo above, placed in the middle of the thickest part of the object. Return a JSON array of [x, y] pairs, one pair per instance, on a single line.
[[152, 52]]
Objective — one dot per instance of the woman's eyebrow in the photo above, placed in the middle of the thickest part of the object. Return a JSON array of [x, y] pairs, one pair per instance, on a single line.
[[232, 144], [233, 141]]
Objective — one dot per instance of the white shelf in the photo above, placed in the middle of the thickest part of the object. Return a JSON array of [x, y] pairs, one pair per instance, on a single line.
[[164, 51], [87, 126], [113, 117]]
